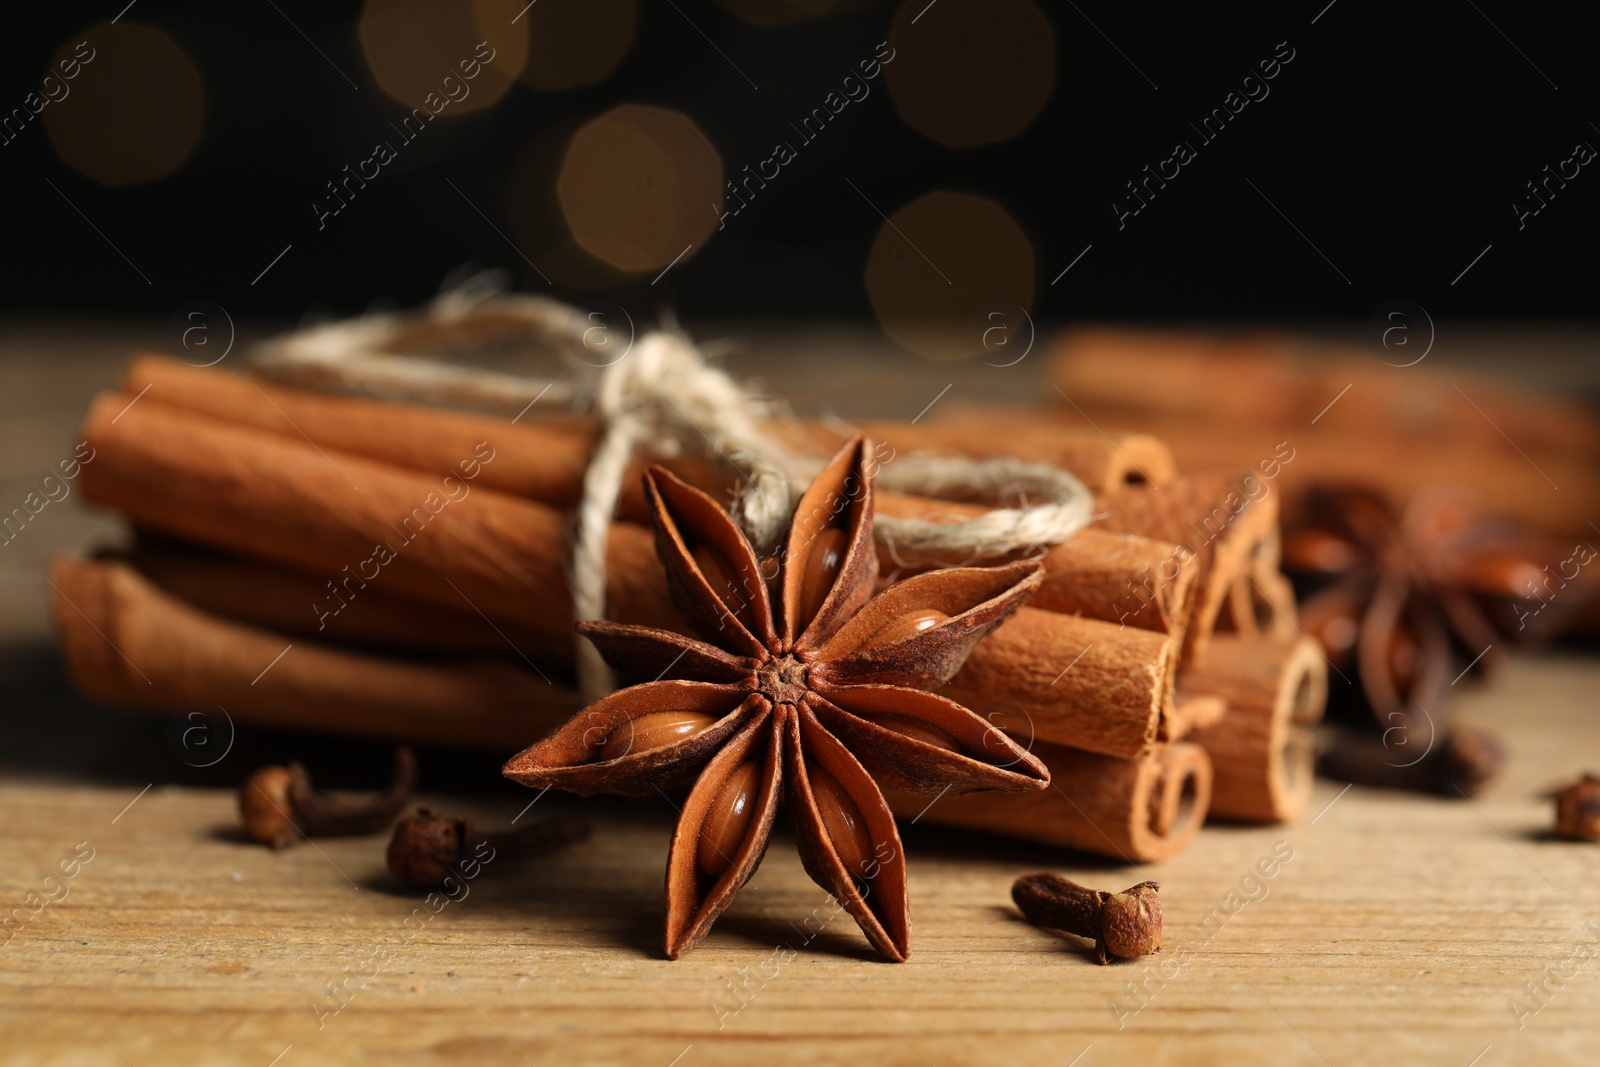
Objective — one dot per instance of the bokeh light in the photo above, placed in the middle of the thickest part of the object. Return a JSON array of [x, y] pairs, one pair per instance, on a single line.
[[534, 213], [947, 268], [133, 112], [970, 74], [638, 185], [577, 42], [413, 46]]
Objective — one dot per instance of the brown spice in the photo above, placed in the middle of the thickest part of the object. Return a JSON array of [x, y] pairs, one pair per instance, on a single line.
[[427, 848], [1401, 588], [1125, 924], [1460, 764], [1578, 810], [276, 803], [784, 697]]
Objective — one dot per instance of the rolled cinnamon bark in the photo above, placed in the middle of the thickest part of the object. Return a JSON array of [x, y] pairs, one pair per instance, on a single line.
[[1168, 371], [1098, 574], [1272, 598], [1220, 518], [1261, 599], [346, 520], [1094, 685], [1260, 377], [1137, 811], [1238, 402], [128, 644], [1261, 748], [1332, 453], [1239, 615], [359, 523], [548, 453], [1116, 577], [277, 598], [541, 457], [538, 460], [1190, 712]]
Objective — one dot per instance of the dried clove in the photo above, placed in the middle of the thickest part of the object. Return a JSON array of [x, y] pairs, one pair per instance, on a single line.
[[1578, 810], [1125, 924], [1461, 764], [427, 848], [276, 803]]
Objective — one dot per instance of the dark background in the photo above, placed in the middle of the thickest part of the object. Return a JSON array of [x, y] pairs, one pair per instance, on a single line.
[[1395, 141]]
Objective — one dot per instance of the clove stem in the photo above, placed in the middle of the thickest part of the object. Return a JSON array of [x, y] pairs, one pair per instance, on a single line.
[[1461, 763], [427, 848], [1125, 924], [277, 803]]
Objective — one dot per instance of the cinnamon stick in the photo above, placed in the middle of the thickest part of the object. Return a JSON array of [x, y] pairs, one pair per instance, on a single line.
[[1220, 518], [1231, 402], [1138, 810], [278, 598], [358, 523], [1275, 690], [1191, 711], [549, 453], [1267, 377], [330, 515], [1115, 577], [1332, 452], [1097, 574], [128, 644], [543, 462], [1261, 599], [1074, 681]]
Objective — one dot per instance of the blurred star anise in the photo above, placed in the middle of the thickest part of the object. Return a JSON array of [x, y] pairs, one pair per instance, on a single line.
[[812, 691], [1398, 590]]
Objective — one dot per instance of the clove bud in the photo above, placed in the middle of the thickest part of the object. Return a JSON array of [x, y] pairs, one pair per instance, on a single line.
[[1578, 810], [427, 848], [1466, 759], [276, 803], [1125, 924]]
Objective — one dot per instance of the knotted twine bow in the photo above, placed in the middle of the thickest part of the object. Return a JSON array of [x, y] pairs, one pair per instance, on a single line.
[[659, 395]]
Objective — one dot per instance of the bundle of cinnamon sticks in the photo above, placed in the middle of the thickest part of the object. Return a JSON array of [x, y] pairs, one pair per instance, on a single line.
[[1382, 418], [338, 563]]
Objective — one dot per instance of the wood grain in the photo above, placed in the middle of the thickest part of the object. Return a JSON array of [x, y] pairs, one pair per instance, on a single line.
[[1395, 933]]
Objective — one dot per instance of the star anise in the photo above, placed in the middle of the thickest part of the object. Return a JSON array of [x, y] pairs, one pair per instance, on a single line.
[[1401, 591], [1397, 594], [805, 688]]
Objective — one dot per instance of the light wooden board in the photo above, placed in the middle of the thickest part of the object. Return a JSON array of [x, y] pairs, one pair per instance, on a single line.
[[1397, 933]]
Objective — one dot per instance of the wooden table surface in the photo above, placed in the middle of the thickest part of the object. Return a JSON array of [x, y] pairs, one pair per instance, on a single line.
[[1401, 929]]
